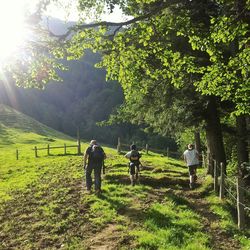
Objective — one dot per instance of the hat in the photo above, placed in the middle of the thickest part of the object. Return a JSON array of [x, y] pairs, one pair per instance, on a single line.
[[93, 142]]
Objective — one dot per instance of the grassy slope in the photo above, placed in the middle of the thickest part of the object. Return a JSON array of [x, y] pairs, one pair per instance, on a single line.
[[18, 131], [44, 205]]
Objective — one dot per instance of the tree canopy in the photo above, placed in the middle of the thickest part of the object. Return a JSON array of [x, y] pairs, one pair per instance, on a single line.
[[205, 43], [197, 50]]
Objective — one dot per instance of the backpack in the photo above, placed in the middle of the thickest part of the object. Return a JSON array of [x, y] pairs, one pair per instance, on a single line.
[[135, 156], [97, 153]]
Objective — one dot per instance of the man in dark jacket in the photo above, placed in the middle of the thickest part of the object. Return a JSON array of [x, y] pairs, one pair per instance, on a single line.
[[93, 160], [134, 163]]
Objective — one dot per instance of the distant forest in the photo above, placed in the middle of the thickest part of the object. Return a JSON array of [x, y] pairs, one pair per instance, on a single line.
[[81, 100]]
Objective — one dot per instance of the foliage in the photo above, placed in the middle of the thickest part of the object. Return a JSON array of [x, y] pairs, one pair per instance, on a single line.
[[168, 49], [187, 137], [161, 48], [83, 99]]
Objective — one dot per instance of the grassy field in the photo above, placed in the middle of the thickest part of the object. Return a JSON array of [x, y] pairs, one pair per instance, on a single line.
[[44, 205]]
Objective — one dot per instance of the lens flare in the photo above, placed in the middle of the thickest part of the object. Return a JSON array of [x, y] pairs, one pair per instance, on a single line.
[[12, 27]]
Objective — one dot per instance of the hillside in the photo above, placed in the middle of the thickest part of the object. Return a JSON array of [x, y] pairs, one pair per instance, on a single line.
[[16, 127]]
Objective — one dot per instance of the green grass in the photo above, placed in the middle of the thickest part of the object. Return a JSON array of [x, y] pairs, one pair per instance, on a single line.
[[43, 203], [227, 222], [169, 226]]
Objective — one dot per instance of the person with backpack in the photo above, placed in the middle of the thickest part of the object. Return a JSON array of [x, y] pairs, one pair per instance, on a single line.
[[94, 160], [191, 158], [134, 163]]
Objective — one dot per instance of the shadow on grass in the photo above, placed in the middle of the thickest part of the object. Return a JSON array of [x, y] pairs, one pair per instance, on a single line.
[[178, 200], [174, 183], [118, 179], [172, 173], [118, 166], [178, 165], [157, 220], [160, 170], [162, 182], [122, 208], [147, 168]]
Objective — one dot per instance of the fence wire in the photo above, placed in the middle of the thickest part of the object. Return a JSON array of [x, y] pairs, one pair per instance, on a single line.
[[233, 194]]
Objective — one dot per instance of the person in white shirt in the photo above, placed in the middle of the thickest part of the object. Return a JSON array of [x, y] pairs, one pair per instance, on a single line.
[[191, 158]]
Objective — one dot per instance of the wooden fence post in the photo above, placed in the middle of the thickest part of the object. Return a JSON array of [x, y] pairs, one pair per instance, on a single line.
[[147, 149], [119, 145], [215, 177], [17, 156], [65, 149], [35, 152], [78, 141], [79, 148], [222, 180], [240, 200], [48, 153]]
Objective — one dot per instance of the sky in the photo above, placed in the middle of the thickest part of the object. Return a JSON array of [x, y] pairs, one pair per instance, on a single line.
[[14, 31], [70, 13]]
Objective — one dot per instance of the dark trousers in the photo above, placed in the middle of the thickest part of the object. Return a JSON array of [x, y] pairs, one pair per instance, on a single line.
[[97, 174]]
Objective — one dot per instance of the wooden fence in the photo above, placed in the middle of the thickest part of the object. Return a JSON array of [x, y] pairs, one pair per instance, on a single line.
[[147, 148], [49, 148], [233, 188]]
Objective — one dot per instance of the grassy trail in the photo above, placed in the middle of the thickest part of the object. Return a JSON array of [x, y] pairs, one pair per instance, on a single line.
[[178, 190], [54, 211], [220, 239], [44, 205]]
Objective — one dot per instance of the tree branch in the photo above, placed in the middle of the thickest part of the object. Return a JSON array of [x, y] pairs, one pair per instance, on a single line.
[[110, 24]]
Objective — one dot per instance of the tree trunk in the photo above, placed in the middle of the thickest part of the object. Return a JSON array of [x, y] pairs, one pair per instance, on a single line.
[[241, 121], [242, 145], [197, 141], [214, 135], [198, 145]]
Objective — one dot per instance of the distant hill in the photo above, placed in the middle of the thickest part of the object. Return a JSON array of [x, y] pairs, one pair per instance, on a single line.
[[83, 99], [14, 125]]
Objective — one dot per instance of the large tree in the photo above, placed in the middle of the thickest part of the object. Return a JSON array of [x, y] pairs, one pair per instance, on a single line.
[[168, 43], [151, 55]]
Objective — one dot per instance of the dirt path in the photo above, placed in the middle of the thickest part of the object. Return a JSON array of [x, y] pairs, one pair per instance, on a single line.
[[220, 239], [110, 239], [107, 239]]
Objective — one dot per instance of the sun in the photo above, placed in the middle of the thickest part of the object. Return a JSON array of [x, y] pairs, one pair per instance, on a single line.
[[12, 27]]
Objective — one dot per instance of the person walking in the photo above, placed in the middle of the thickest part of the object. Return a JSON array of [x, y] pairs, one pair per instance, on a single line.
[[134, 163], [94, 160], [191, 158]]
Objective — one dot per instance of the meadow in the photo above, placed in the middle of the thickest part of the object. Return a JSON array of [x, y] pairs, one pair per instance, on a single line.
[[44, 205]]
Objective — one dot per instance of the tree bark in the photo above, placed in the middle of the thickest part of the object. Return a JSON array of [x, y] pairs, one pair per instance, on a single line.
[[242, 143], [197, 141], [241, 121], [198, 145], [214, 135]]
